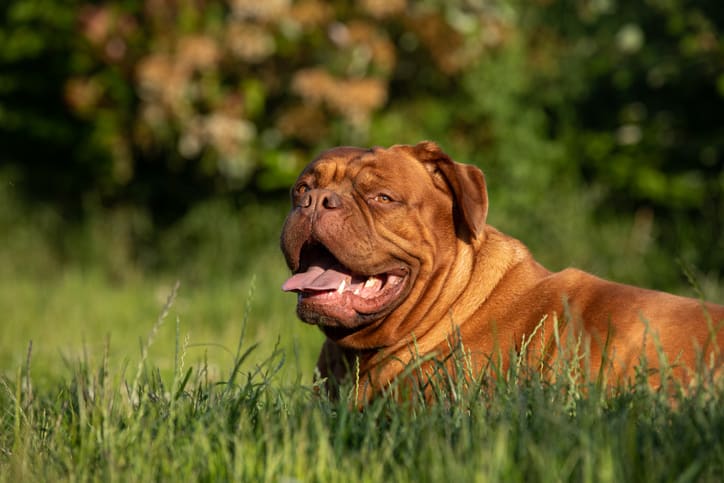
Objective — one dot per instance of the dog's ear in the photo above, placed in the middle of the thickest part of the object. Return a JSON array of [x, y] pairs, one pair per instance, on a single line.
[[465, 181]]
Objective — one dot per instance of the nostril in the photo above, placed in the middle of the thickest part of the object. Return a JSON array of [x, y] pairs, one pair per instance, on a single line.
[[331, 201], [306, 200]]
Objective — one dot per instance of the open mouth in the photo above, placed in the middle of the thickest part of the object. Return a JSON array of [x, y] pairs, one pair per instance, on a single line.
[[327, 289]]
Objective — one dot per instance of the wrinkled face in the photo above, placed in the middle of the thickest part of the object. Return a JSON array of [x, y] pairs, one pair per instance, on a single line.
[[362, 224]]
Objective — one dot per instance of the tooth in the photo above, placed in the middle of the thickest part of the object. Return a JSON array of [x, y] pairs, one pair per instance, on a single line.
[[341, 287], [370, 282]]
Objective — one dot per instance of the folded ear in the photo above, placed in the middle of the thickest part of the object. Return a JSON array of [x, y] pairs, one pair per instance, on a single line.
[[465, 181]]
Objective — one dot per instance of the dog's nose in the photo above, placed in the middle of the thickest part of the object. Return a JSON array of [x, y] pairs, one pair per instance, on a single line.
[[323, 199], [331, 200]]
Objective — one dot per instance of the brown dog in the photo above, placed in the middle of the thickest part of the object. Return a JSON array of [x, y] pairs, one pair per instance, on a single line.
[[391, 258]]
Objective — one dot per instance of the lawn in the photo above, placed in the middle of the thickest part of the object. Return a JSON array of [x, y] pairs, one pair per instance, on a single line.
[[81, 316], [130, 377], [212, 383]]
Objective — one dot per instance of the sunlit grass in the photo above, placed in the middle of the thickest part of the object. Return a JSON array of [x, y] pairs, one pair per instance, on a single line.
[[96, 385], [80, 315], [246, 422]]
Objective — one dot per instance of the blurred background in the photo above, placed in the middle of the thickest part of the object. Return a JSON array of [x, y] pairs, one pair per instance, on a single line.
[[148, 141]]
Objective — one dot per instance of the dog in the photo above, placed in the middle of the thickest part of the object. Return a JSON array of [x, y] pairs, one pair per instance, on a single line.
[[392, 259]]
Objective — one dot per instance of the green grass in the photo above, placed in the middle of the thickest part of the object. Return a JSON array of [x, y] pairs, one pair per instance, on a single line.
[[76, 315], [73, 290], [215, 385], [246, 422], [96, 385]]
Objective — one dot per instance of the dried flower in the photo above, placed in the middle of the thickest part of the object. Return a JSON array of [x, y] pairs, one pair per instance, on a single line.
[[96, 23], [159, 78], [107, 30], [353, 98], [307, 123], [382, 51], [357, 98], [444, 43], [197, 52], [313, 84], [384, 8], [259, 9], [192, 139], [311, 13], [82, 94], [228, 135], [249, 42]]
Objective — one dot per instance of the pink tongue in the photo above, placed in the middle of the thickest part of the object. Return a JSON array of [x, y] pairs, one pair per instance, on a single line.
[[316, 278]]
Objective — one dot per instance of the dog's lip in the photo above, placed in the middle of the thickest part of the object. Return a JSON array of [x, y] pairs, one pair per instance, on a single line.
[[348, 308], [338, 281], [320, 270], [341, 296]]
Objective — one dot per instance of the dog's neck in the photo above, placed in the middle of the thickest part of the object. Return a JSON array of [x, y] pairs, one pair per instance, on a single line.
[[429, 327], [421, 328]]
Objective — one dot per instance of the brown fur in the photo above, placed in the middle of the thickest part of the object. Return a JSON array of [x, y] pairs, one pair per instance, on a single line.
[[467, 279]]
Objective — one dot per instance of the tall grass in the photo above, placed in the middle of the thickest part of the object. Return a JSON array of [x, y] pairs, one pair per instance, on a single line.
[[133, 424], [219, 388]]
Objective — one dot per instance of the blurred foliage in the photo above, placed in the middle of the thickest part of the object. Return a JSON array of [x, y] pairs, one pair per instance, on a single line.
[[148, 110]]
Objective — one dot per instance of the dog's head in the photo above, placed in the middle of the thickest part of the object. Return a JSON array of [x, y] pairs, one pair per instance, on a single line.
[[368, 228]]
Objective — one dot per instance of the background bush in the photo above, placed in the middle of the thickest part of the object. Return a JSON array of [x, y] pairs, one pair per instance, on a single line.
[[598, 123]]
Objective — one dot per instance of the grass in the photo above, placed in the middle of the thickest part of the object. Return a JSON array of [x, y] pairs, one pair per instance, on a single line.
[[91, 295], [76, 315], [97, 423], [102, 377], [255, 418]]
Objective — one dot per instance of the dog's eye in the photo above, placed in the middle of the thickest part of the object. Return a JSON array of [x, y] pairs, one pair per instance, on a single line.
[[383, 198], [302, 188]]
